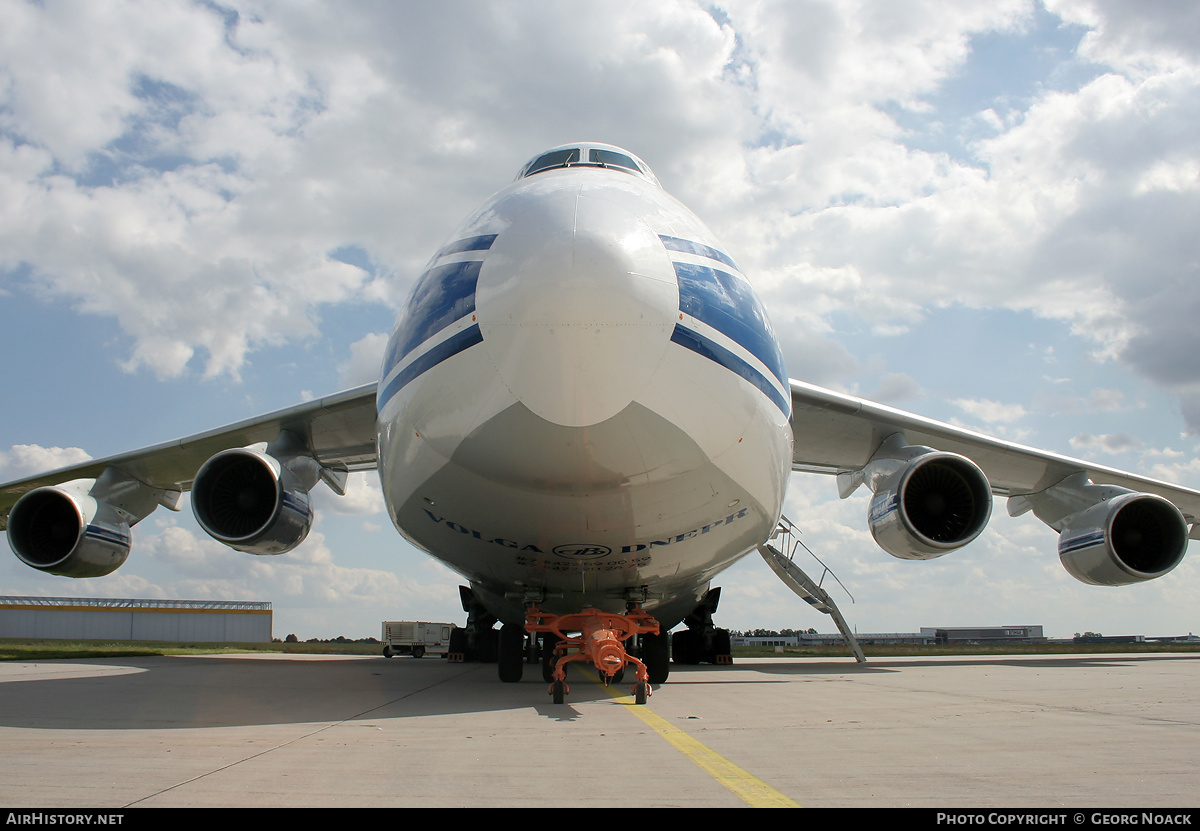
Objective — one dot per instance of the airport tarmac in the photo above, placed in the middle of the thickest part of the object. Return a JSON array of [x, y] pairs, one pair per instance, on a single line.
[[262, 730]]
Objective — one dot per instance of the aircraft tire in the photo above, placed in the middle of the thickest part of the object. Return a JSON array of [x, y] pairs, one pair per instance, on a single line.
[[458, 645], [684, 647], [721, 645], [656, 653], [549, 641], [487, 642], [510, 659]]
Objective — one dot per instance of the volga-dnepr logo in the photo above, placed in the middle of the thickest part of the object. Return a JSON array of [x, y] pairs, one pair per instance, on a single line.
[[582, 551]]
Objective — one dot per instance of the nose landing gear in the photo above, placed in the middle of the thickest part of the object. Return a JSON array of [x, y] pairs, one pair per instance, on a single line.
[[601, 641]]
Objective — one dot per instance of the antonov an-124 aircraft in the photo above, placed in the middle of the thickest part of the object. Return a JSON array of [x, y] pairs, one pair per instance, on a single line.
[[584, 411]]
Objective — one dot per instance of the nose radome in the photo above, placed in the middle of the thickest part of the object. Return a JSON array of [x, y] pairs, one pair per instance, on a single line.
[[576, 301]]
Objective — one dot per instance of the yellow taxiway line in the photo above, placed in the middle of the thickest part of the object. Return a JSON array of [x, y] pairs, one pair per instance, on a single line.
[[745, 785]]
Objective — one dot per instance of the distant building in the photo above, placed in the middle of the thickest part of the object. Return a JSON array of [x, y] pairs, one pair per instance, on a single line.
[[985, 634], [894, 639], [766, 640], [835, 639], [113, 619], [927, 635], [1188, 638]]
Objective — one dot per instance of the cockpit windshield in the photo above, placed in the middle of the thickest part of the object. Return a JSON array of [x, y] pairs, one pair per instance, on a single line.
[[587, 155], [610, 158], [555, 158]]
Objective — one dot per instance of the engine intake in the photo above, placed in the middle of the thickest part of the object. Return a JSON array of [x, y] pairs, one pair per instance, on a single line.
[[59, 531], [930, 505], [250, 501], [1128, 539]]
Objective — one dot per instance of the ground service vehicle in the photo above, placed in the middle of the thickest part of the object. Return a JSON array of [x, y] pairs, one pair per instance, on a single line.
[[416, 638]]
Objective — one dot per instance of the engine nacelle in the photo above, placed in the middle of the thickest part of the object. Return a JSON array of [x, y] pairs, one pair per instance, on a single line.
[[1127, 539], [929, 505], [252, 502], [67, 532]]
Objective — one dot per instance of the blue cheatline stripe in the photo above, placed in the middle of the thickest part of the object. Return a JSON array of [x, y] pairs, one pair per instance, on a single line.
[[102, 533], [727, 303], [446, 349], [480, 243], [1081, 542], [719, 354], [699, 249], [442, 295]]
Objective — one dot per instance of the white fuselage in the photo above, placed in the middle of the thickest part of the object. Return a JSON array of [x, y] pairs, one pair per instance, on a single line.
[[583, 401]]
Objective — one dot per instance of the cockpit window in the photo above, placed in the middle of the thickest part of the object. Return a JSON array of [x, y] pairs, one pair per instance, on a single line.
[[588, 154], [555, 158], [610, 159]]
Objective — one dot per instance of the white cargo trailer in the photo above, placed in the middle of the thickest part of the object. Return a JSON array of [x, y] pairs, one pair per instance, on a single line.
[[416, 638]]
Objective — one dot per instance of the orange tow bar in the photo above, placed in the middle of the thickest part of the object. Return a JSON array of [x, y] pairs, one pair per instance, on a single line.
[[601, 641]]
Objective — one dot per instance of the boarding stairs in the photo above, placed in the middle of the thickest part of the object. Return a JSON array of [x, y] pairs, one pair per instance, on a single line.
[[781, 559]]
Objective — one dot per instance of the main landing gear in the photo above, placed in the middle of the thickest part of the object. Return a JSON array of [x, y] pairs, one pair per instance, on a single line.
[[602, 642], [702, 642], [477, 641]]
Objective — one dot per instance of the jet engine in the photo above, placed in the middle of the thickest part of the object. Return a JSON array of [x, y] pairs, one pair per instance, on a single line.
[[1108, 535], [63, 530], [1128, 539], [253, 502], [927, 503]]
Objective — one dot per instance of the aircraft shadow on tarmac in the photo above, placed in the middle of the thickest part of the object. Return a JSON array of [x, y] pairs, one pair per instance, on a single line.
[[188, 692], [202, 692]]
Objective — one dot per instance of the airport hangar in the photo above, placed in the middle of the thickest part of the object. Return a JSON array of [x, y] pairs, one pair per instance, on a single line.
[[123, 619]]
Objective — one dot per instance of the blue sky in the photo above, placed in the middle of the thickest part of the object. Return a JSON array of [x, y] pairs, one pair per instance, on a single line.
[[981, 212]]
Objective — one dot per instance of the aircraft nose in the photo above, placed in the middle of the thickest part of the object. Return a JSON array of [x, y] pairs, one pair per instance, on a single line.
[[577, 301]]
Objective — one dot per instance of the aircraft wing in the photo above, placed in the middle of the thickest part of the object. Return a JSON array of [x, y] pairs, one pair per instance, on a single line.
[[840, 434], [338, 431]]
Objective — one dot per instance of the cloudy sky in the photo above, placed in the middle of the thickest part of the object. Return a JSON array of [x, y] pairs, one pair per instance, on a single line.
[[985, 213]]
